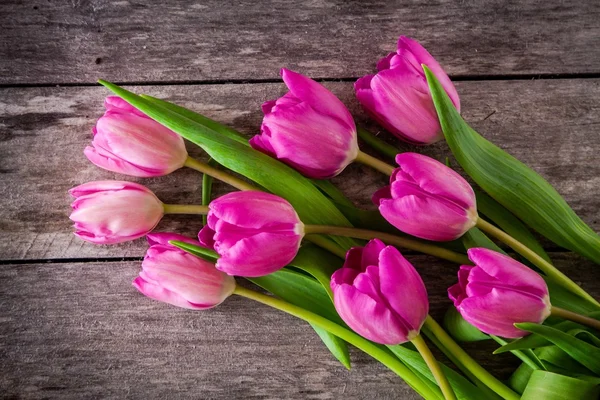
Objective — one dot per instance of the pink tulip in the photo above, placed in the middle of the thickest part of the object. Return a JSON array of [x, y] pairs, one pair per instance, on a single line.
[[255, 233], [175, 277], [308, 128], [427, 199], [107, 212], [128, 142], [379, 294], [398, 95], [498, 292]]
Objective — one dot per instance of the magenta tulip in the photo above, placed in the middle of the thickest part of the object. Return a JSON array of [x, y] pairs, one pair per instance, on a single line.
[[128, 142], [255, 233], [308, 128], [175, 277], [379, 294], [498, 292], [107, 212], [398, 96], [427, 199]]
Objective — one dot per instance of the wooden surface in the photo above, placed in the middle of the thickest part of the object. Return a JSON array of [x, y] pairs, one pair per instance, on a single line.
[[71, 325]]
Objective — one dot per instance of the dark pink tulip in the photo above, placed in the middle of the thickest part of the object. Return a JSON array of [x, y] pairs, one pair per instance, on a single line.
[[398, 96], [128, 142], [308, 128], [255, 233], [498, 292], [175, 277], [427, 199], [107, 212], [379, 294]]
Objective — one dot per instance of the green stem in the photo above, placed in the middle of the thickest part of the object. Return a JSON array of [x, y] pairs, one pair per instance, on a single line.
[[434, 367], [218, 174], [467, 363], [550, 270], [363, 344], [571, 316], [376, 143], [374, 163], [388, 238], [185, 209]]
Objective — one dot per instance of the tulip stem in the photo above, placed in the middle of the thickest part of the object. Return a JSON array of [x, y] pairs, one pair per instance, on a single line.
[[381, 146], [218, 174], [434, 367], [363, 344], [185, 209], [374, 163], [575, 317], [550, 270], [388, 238], [466, 363]]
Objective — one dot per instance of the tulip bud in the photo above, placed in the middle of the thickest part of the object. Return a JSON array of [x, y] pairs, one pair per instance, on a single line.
[[308, 128], [255, 233], [498, 292], [173, 276], [398, 96], [128, 142], [379, 294], [107, 212], [427, 199]]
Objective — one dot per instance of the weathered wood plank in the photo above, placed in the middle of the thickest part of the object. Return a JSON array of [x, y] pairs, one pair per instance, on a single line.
[[46, 41], [79, 330], [550, 125]]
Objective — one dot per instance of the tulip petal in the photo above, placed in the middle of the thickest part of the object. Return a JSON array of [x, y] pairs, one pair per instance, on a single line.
[[371, 253], [161, 294]]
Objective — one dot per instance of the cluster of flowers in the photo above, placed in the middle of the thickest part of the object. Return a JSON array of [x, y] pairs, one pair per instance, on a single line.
[[377, 292]]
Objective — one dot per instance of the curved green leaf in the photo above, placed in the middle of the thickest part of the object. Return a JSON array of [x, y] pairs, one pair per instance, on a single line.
[[460, 329], [510, 182], [550, 386]]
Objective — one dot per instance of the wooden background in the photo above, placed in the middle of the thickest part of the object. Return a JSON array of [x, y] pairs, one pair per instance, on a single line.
[[71, 324]]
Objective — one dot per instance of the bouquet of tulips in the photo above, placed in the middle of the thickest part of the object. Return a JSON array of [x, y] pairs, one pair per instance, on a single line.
[[293, 233]]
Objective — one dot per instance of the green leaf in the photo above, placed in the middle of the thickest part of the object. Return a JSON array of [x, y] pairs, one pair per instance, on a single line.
[[475, 238], [586, 336], [545, 385], [319, 263], [564, 298], [518, 380], [305, 292], [460, 329], [510, 182], [331, 191], [312, 206], [382, 147], [557, 360], [198, 251], [581, 351], [207, 182]]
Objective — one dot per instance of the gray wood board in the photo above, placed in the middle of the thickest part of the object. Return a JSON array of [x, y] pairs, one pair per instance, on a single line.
[[80, 330], [549, 124], [63, 41]]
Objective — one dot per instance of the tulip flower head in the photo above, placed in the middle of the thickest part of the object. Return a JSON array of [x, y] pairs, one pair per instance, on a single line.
[[255, 233], [498, 292], [107, 212], [128, 142], [427, 199], [379, 294], [398, 96], [308, 128], [175, 277]]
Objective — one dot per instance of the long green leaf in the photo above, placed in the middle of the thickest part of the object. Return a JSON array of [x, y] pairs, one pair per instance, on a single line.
[[545, 385], [460, 329], [305, 292], [510, 182], [207, 182], [581, 351], [319, 263], [312, 206]]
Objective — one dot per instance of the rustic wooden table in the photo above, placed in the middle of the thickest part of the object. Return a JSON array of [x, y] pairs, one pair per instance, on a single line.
[[71, 324]]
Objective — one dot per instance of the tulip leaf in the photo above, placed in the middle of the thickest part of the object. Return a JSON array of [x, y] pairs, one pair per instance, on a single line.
[[305, 292], [534, 340], [551, 386], [518, 380], [581, 351], [460, 329], [198, 251], [557, 360], [526, 355], [511, 183], [509, 223], [207, 182], [564, 298], [381, 146], [319, 263], [462, 387], [331, 191], [475, 238], [312, 206]]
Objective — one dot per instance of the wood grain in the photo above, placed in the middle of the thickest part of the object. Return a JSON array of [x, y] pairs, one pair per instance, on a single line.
[[548, 124], [80, 330], [62, 41]]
